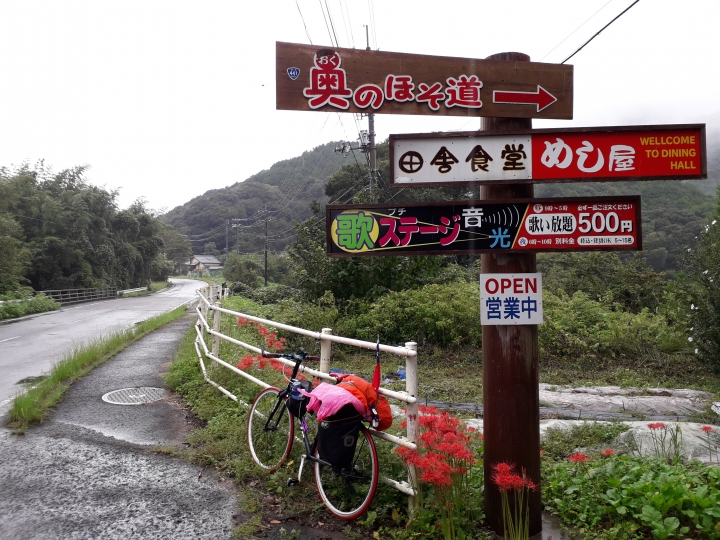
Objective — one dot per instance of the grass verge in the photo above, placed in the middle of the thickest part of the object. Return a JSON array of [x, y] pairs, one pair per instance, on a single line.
[[31, 407]]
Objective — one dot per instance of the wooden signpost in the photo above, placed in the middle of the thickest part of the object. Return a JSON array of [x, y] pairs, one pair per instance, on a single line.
[[312, 78], [508, 226]]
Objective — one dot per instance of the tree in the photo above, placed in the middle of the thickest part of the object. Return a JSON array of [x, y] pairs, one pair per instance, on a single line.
[[73, 234], [242, 269], [702, 266], [211, 249]]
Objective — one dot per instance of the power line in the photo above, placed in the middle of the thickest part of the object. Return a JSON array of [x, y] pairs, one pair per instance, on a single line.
[[345, 23], [326, 23], [337, 43], [603, 28], [578, 28], [303, 20]]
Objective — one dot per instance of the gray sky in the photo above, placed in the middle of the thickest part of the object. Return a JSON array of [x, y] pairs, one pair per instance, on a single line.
[[167, 99]]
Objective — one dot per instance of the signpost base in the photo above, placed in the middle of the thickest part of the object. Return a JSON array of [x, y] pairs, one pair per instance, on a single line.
[[510, 363]]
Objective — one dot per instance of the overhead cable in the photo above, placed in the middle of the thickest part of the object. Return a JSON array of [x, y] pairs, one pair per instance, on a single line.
[[603, 28]]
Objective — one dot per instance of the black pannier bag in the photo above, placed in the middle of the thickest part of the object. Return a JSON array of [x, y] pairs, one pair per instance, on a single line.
[[297, 403], [338, 437]]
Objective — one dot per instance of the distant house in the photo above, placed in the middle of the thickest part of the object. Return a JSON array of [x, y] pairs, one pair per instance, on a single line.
[[204, 264]]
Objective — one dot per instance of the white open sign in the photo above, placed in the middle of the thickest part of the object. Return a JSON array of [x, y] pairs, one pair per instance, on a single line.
[[509, 299]]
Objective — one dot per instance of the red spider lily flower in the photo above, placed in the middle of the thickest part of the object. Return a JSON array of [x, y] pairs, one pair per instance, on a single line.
[[262, 364], [542, 452], [471, 429], [609, 452], [427, 410], [262, 331], [503, 468], [302, 377], [657, 425], [707, 429], [277, 365], [246, 362], [403, 424], [529, 484], [436, 478], [578, 458], [482, 436]]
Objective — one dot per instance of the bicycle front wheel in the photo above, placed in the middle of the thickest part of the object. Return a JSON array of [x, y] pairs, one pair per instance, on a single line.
[[348, 493], [270, 430]]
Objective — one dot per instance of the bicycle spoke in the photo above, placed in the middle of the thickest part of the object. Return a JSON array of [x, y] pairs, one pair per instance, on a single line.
[[348, 492], [270, 430]]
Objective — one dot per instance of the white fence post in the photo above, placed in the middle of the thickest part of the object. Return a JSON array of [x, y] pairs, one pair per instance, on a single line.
[[216, 327], [411, 387], [325, 348]]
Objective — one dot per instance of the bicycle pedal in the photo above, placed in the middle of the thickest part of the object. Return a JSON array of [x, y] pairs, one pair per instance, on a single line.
[[293, 482]]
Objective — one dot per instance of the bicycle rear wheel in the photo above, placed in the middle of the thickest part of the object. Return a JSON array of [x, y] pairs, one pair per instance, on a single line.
[[349, 492], [270, 430]]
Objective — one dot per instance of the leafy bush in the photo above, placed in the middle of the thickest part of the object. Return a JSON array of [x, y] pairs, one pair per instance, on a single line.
[[703, 268], [37, 304], [560, 443], [437, 314], [576, 324], [627, 498]]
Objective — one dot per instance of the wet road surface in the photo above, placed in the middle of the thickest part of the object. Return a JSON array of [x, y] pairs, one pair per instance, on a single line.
[[30, 346], [89, 471]]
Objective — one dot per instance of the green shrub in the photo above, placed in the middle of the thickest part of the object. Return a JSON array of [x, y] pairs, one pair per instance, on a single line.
[[576, 324], [27, 306], [623, 498], [440, 315]]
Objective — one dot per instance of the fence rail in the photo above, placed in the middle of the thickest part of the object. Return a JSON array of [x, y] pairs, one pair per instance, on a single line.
[[74, 296], [409, 352]]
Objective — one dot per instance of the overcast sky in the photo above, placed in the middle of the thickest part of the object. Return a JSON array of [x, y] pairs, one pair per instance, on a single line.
[[167, 99]]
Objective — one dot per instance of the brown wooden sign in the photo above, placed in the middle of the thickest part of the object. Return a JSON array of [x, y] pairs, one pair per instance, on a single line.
[[664, 152], [315, 78]]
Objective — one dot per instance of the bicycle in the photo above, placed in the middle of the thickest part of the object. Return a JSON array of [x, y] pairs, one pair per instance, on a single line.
[[348, 491]]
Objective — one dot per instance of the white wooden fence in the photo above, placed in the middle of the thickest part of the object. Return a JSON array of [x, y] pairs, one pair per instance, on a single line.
[[206, 305]]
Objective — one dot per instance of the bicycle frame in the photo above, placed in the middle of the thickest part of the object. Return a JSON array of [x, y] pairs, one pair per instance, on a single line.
[[346, 490]]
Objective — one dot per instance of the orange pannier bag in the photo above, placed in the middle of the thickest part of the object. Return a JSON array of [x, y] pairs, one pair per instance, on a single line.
[[377, 406]]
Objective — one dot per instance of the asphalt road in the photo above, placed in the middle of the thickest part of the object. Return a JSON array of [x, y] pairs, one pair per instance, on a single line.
[[91, 469], [29, 347]]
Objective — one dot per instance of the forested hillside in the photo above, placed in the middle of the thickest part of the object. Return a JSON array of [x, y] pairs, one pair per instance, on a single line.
[[672, 211], [285, 189]]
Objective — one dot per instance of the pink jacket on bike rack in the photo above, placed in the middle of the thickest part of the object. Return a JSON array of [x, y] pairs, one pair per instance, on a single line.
[[327, 399]]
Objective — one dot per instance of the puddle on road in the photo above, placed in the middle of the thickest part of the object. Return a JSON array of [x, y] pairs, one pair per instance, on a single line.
[[31, 380]]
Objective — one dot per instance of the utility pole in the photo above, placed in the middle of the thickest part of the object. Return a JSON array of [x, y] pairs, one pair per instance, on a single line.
[[366, 138], [371, 129], [266, 244], [227, 227]]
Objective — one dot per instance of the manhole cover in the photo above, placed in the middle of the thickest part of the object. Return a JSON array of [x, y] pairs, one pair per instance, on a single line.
[[134, 396]]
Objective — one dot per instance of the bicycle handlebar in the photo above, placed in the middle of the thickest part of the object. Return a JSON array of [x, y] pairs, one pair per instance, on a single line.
[[290, 356]]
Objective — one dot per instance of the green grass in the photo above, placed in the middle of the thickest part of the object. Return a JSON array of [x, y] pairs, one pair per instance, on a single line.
[[32, 406], [155, 286]]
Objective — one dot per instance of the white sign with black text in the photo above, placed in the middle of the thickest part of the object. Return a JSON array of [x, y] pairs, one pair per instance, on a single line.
[[508, 299]]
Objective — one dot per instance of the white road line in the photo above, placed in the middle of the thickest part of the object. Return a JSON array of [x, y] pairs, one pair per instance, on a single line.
[[8, 339]]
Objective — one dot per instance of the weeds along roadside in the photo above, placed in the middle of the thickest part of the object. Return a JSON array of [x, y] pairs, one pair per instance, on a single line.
[[31, 407], [222, 442]]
